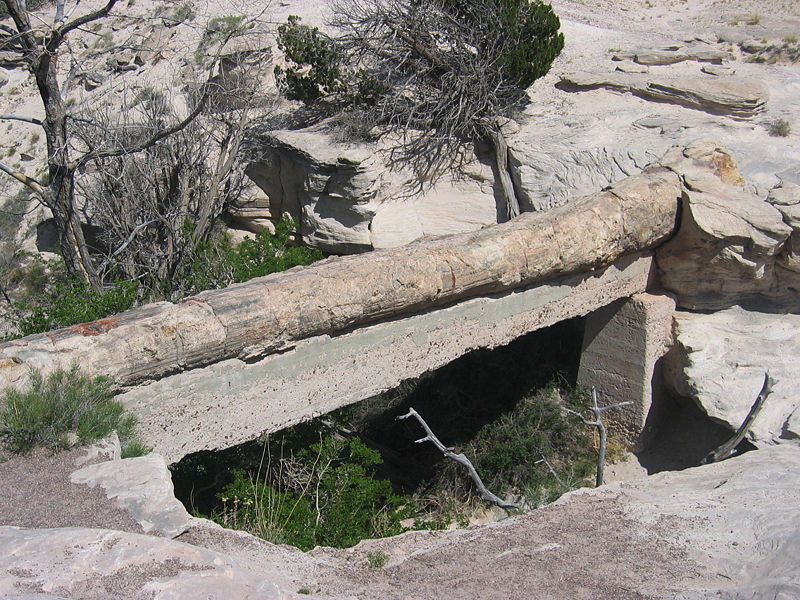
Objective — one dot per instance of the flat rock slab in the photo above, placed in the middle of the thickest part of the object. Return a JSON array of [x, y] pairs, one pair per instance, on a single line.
[[719, 360], [736, 97], [98, 563], [729, 530], [143, 487]]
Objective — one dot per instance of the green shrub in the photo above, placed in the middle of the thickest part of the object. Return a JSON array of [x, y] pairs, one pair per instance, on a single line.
[[63, 402], [314, 63], [510, 453], [69, 302], [325, 494], [780, 128], [218, 263], [377, 559]]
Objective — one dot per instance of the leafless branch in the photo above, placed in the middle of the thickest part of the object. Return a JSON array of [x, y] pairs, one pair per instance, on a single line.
[[597, 412], [25, 119], [459, 458], [726, 449], [22, 178]]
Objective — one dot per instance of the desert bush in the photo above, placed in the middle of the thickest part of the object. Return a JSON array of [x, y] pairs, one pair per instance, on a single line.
[[69, 301], [315, 63], [63, 402], [779, 128], [324, 494]]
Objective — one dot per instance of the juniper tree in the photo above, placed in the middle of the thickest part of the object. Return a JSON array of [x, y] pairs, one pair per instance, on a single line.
[[442, 73]]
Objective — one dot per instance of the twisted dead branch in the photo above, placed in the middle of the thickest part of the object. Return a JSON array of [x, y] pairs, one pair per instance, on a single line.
[[459, 458], [597, 412], [727, 449]]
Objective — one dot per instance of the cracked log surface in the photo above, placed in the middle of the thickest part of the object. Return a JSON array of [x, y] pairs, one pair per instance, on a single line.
[[269, 314]]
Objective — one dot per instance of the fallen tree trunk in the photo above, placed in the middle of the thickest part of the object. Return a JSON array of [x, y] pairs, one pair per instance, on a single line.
[[269, 314]]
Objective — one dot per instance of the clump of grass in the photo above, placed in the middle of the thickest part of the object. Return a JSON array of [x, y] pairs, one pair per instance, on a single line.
[[62, 403], [779, 128], [755, 19], [377, 559]]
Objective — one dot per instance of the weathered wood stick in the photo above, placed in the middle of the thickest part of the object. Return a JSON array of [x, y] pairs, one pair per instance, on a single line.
[[726, 449], [459, 458]]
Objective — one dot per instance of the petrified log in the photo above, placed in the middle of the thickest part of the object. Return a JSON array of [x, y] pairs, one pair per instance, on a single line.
[[265, 315]]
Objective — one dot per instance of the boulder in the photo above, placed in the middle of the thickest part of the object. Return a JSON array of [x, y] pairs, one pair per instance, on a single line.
[[143, 487], [730, 240], [347, 199], [719, 361], [733, 96]]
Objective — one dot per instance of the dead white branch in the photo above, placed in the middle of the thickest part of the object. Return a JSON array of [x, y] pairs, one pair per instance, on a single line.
[[597, 412], [726, 449], [459, 458]]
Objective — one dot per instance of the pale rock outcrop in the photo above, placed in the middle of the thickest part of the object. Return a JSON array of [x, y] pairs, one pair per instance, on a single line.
[[737, 97], [642, 325], [672, 54], [786, 199], [143, 487], [96, 563], [732, 527], [730, 246], [348, 199], [719, 361]]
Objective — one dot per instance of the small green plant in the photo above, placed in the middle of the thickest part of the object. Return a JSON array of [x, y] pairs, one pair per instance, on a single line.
[[779, 128], [377, 559], [791, 38], [325, 494], [218, 263], [63, 402], [220, 30], [69, 302], [304, 591], [754, 19], [315, 63]]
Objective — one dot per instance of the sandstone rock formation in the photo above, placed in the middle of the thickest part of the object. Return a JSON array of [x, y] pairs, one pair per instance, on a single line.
[[719, 361], [741, 98], [99, 563], [731, 248], [348, 198], [728, 530], [143, 486]]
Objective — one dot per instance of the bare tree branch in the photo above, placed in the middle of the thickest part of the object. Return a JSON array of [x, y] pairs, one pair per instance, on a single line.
[[22, 178], [597, 412], [33, 120], [726, 449], [459, 458]]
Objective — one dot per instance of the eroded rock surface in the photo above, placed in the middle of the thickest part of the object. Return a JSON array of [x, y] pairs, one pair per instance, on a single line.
[[348, 198], [143, 487], [719, 360], [731, 247]]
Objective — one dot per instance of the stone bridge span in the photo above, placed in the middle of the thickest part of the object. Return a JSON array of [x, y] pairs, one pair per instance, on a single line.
[[227, 365]]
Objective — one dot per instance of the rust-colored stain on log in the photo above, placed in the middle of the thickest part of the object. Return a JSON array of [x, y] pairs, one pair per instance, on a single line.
[[193, 300], [98, 327]]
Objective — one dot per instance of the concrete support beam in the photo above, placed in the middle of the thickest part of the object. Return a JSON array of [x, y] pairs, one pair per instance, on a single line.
[[622, 345], [236, 400]]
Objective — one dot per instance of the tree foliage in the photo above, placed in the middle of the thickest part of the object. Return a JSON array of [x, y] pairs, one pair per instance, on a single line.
[[444, 73]]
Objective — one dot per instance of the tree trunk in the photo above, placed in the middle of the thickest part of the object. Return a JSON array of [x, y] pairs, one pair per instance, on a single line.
[[59, 192], [501, 161]]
